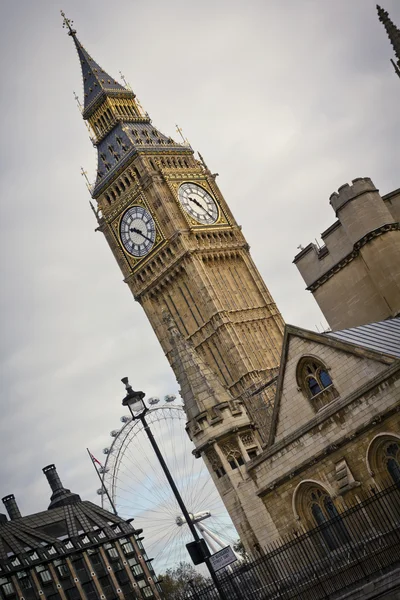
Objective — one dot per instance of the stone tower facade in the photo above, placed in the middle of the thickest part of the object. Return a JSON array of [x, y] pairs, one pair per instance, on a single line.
[[182, 252], [355, 275]]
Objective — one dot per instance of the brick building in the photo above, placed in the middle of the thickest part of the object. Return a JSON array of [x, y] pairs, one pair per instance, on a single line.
[[75, 550]]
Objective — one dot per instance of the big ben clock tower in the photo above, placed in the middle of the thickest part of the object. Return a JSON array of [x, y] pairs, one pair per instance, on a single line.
[[175, 238], [180, 249]]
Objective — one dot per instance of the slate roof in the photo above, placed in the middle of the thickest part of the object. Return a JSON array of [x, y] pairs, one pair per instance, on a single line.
[[96, 81], [42, 536], [383, 336]]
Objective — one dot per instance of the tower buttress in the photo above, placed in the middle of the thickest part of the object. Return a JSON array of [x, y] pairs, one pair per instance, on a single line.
[[220, 429], [393, 34]]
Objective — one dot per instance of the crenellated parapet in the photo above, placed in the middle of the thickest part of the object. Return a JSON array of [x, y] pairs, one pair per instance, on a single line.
[[352, 270], [348, 192]]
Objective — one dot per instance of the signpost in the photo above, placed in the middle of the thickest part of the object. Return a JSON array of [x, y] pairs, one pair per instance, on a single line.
[[223, 558]]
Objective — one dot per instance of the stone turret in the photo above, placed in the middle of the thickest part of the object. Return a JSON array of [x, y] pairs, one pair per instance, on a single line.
[[355, 275], [360, 208]]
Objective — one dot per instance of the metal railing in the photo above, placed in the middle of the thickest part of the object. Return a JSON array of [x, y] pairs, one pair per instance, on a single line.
[[357, 545]]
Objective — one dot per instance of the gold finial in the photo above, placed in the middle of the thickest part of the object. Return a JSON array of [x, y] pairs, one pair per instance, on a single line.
[[185, 140], [179, 130], [84, 174], [67, 23], [128, 87], [78, 101]]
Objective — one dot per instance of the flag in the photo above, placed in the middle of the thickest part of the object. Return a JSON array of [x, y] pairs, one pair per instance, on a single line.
[[94, 459]]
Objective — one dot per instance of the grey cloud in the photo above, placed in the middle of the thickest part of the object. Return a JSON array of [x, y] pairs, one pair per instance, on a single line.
[[286, 100]]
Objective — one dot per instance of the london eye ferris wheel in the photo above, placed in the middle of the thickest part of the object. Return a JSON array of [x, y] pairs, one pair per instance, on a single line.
[[138, 488]]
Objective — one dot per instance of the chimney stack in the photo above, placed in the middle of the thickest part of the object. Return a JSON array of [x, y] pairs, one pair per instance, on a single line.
[[60, 496], [53, 478], [11, 507]]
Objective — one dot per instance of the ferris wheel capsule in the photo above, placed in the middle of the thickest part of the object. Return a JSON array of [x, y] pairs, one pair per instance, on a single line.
[[101, 491], [114, 432], [125, 419], [169, 398], [154, 400], [106, 450]]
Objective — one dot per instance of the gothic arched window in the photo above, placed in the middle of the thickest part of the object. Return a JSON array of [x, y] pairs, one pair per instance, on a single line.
[[384, 459], [315, 381], [319, 510]]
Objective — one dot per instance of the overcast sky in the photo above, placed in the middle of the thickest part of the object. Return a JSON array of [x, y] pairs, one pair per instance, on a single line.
[[286, 99]]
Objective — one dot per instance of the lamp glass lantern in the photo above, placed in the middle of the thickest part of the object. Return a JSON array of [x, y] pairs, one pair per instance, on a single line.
[[133, 400]]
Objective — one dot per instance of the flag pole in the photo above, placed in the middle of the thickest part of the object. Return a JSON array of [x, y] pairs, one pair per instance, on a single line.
[[103, 487]]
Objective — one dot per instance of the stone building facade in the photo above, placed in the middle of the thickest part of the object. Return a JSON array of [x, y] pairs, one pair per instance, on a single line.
[[336, 424], [75, 550], [355, 275]]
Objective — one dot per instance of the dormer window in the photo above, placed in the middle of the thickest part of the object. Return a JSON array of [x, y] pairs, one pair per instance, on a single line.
[[314, 380]]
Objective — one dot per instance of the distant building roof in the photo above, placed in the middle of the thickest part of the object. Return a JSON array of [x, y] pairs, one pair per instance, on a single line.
[[383, 336]]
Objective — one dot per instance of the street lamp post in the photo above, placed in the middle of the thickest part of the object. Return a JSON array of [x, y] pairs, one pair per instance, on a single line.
[[134, 401]]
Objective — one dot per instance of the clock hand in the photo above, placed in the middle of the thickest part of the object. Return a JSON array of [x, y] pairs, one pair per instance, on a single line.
[[135, 230], [201, 206]]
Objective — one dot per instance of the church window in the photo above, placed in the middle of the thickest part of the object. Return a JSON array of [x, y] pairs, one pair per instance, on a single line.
[[319, 510], [383, 459], [315, 381], [233, 454]]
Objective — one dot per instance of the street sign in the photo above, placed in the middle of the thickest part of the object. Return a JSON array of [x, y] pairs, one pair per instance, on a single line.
[[223, 558]]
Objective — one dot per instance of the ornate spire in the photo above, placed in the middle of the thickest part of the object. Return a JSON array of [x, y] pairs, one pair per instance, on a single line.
[[112, 113], [97, 83], [393, 34]]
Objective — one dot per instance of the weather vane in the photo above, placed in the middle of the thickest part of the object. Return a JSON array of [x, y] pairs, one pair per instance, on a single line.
[[67, 23]]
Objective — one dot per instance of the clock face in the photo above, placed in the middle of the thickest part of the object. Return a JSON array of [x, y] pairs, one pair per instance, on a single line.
[[138, 231], [198, 203]]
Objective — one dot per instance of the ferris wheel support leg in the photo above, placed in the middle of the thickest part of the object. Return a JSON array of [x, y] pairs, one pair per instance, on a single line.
[[210, 542], [210, 534]]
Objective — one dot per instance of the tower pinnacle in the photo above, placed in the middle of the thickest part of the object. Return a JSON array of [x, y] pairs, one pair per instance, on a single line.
[[393, 34]]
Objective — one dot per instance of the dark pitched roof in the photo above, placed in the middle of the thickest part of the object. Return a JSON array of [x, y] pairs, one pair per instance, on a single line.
[[58, 531], [383, 336]]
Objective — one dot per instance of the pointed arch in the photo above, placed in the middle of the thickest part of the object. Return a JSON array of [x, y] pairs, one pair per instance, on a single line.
[[383, 458], [314, 379]]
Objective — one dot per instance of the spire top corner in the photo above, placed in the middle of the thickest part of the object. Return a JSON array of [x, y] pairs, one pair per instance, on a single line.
[[68, 24]]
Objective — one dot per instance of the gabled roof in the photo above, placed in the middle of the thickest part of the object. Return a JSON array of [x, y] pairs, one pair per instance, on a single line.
[[383, 336], [357, 343]]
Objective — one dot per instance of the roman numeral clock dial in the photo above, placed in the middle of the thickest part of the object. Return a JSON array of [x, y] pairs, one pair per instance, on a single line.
[[198, 203], [137, 231]]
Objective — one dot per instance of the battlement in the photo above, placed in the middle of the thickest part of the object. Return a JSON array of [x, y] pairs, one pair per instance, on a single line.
[[347, 192], [366, 212]]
